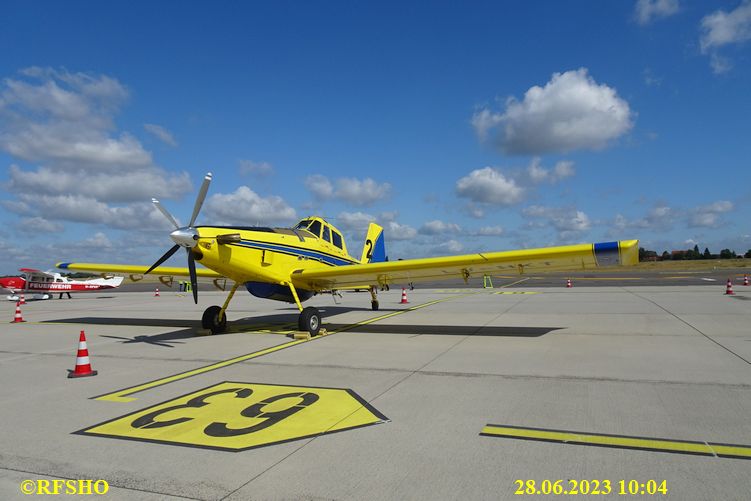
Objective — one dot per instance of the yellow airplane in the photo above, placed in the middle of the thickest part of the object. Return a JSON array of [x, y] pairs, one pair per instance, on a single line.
[[293, 264]]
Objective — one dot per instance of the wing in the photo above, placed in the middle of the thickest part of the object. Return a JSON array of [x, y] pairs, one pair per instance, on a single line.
[[32, 270], [570, 257], [134, 269]]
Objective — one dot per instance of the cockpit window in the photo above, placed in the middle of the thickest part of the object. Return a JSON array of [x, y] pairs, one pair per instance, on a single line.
[[337, 239], [303, 225], [315, 228], [326, 235]]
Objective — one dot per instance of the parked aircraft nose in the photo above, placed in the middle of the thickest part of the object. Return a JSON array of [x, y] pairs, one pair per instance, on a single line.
[[185, 237]]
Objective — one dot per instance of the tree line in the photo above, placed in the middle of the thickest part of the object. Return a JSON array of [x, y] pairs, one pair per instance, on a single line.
[[689, 254]]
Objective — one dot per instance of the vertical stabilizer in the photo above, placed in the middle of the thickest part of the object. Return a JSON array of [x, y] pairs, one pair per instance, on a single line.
[[374, 250]]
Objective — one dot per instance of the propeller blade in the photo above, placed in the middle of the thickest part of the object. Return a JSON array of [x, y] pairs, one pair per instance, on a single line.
[[162, 259], [165, 212], [200, 198], [193, 278]]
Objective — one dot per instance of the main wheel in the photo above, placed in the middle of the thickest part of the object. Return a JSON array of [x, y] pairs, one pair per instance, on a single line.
[[310, 320], [214, 320], [374, 305]]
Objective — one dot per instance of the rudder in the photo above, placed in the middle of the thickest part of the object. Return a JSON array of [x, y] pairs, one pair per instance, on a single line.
[[374, 250]]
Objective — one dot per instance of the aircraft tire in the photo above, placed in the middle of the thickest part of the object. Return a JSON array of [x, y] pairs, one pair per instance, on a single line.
[[374, 305], [310, 321], [210, 320]]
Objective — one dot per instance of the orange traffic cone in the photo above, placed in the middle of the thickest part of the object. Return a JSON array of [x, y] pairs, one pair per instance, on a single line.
[[23, 299], [18, 318], [568, 283], [745, 280], [404, 297], [83, 365], [729, 288], [156, 292]]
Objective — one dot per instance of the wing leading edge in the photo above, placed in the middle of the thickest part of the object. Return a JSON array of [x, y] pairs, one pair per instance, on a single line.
[[569, 257], [132, 269]]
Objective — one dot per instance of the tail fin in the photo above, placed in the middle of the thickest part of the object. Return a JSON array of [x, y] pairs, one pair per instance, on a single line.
[[374, 250]]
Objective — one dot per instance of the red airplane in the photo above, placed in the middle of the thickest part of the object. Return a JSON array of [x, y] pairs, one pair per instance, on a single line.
[[38, 284]]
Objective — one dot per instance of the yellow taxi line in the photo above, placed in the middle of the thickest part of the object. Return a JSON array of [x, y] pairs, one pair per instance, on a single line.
[[619, 441]]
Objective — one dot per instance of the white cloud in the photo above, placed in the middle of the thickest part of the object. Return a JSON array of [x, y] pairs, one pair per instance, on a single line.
[[649, 10], [115, 187], [260, 169], [724, 28], [489, 186], [357, 223], [709, 216], [438, 227], [161, 133], [567, 221], [245, 207], [396, 231], [489, 231], [319, 186], [66, 119], [447, 247], [65, 123], [38, 224], [355, 192], [83, 209], [354, 221], [538, 174], [362, 192], [570, 112]]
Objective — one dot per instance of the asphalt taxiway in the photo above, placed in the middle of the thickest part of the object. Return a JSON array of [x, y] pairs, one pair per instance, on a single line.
[[463, 393]]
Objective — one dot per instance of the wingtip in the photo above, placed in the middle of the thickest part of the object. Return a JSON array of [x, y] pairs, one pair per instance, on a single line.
[[629, 252]]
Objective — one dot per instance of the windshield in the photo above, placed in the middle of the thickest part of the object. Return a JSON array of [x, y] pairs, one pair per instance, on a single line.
[[303, 225]]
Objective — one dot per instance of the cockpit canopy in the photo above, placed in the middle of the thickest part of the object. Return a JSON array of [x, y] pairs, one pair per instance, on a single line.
[[319, 228]]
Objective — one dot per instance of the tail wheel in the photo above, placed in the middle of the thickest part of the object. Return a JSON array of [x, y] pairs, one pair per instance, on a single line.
[[214, 320], [310, 320], [374, 305]]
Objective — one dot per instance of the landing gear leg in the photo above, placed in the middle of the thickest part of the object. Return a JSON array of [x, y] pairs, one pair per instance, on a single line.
[[215, 318], [374, 298], [310, 318]]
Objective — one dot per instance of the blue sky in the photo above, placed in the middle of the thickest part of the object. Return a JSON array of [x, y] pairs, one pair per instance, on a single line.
[[459, 128]]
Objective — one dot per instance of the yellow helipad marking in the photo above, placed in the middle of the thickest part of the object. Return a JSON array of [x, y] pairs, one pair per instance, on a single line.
[[620, 441], [234, 416], [123, 395]]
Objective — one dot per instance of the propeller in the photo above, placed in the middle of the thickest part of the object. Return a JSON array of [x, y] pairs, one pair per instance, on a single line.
[[185, 236]]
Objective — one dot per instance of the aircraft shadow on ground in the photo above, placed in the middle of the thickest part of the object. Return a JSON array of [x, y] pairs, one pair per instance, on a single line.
[[187, 329], [447, 330]]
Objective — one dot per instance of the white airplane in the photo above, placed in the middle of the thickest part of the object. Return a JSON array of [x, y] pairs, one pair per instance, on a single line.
[[36, 284]]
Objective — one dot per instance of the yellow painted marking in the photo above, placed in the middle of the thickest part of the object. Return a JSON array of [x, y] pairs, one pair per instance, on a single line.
[[515, 292], [574, 277], [123, 395], [514, 283], [235, 416], [624, 442]]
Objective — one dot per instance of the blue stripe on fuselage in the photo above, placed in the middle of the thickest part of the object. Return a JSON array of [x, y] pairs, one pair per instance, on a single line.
[[295, 251], [607, 253]]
